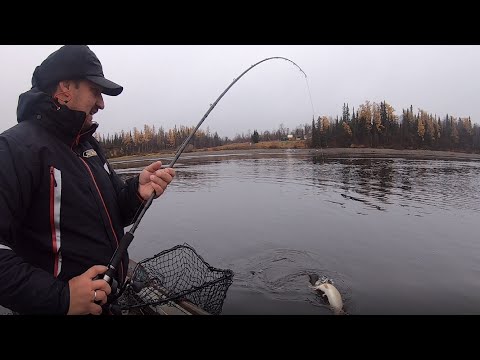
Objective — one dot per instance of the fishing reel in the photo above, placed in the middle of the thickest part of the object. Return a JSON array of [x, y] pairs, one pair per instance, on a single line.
[[112, 305]]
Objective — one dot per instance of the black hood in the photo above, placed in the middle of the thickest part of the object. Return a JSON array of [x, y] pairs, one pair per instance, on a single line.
[[35, 105], [33, 102]]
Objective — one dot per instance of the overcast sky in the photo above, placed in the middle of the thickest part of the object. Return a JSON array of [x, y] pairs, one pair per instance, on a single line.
[[167, 85]]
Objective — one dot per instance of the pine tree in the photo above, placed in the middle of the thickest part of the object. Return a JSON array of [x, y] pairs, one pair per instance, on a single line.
[[255, 137]]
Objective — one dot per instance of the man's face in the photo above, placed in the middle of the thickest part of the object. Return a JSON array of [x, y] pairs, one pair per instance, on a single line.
[[87, 97]]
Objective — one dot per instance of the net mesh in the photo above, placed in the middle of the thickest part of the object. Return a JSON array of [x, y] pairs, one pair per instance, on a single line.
[[176, 274]]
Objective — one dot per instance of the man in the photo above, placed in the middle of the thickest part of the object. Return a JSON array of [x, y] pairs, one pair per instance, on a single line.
[[63, 208]]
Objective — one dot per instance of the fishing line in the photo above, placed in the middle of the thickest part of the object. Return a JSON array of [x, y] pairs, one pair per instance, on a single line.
[[310, 95], [128, 237], [313, 118]]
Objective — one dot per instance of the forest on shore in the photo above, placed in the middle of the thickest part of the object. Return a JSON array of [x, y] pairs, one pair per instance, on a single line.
[[372, 125]]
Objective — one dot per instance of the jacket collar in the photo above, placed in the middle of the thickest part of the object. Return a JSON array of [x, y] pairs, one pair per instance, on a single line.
[[64, 123]]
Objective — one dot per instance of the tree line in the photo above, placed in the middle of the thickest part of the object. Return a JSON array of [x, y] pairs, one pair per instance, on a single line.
[[377, 125], [371, 125], [152, 140]]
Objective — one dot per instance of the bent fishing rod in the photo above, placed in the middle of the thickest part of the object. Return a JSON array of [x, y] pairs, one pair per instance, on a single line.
[[128, 237]]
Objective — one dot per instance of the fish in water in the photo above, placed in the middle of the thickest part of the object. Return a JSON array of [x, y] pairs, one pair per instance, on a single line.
[[333, 296]]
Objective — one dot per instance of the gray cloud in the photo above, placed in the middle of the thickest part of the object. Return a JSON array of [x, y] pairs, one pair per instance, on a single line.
[[175, 84]]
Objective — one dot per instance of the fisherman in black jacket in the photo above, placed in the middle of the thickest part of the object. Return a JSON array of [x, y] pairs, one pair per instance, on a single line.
[[63, 208]]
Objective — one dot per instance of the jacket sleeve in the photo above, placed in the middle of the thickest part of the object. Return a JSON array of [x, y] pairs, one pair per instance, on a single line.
[[131, 203], [23, 288]]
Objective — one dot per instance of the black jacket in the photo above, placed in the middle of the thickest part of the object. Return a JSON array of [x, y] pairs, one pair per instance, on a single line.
[[63, 208]]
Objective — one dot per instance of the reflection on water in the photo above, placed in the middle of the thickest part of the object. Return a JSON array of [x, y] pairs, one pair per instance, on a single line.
[[391, 181], [397, 236]]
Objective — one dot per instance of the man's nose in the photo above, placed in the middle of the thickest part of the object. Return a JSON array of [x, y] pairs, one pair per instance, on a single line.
[[100, 103]]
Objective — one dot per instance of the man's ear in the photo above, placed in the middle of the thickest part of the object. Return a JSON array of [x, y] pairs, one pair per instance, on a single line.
[[62, 95]]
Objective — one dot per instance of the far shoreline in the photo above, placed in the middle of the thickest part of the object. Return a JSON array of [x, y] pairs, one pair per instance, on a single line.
[[325, 152]]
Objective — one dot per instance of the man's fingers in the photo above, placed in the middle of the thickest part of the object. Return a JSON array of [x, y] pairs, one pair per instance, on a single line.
[[164, 175], [171, 172], [102, 285], [160, 181], [158, 189], [96, 270], [101, 297], [95, 309], [154, 166]]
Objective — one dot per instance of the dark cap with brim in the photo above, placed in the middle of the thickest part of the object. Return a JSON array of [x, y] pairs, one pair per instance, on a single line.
[[73, 62], [109, 87]]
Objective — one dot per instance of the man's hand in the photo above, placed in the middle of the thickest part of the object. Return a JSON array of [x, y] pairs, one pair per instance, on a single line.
[[152, 178], [84, 291]]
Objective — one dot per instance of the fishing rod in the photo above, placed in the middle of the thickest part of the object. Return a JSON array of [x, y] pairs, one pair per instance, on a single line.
[[128, 237]]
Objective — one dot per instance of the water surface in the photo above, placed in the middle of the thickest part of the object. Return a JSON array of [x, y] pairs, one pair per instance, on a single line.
[[396, 236]]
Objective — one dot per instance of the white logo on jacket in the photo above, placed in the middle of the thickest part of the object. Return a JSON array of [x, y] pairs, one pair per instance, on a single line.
[[89, 153]]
